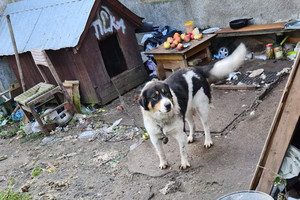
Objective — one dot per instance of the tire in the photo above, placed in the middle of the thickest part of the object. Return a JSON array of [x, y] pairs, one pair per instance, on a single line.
[[224, 51]]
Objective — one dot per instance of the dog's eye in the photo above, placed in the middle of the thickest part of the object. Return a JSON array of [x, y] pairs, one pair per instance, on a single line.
[[155, 97]]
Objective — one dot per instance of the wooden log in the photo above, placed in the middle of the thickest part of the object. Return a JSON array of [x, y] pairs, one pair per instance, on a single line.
[[234, 87], [16, 52]]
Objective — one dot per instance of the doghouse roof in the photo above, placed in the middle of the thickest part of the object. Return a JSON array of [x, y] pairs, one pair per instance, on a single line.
[[51, 24]]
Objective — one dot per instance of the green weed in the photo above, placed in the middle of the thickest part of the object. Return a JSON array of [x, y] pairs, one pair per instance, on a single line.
[[36, 171], [9, 194]]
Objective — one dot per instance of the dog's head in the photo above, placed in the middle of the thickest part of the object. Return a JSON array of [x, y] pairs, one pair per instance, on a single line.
[[156, 96]]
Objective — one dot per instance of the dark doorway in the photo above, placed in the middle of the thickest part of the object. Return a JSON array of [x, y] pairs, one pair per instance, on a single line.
[[112, 55]]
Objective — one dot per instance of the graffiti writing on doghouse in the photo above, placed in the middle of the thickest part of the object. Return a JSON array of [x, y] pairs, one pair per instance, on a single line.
[[107, 23]]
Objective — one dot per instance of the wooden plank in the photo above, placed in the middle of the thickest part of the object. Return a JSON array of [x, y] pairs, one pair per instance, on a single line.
[[234, 87], [280, 134], [197, 49], [293, 40], [173, 65], [45, 96], [168, 57], [194, 61], [133, 78], [253, 28]]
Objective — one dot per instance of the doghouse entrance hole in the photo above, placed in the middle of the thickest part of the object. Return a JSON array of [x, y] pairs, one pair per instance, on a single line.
[[112, 56]]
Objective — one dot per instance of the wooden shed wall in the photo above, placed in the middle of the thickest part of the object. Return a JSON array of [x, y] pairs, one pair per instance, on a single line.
[[30, 72]]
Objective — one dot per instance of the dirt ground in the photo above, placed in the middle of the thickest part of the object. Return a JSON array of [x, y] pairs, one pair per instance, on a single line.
[[119, 164]]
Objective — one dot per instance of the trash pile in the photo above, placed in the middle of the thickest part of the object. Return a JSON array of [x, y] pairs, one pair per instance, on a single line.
[[258, 78]]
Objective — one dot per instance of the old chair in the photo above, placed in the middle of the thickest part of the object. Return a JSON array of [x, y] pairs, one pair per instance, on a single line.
[[43, 92]]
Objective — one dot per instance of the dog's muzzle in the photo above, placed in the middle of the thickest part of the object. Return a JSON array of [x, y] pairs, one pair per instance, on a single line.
[[168, 107]]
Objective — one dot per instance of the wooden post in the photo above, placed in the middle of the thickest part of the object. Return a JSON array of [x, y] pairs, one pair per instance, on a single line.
[[16, 52]]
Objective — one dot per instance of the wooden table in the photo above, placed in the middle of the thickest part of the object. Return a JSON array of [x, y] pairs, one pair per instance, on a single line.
[[173, 59]]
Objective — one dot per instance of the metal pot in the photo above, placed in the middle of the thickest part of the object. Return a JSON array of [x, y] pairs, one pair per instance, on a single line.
[[239, 23]]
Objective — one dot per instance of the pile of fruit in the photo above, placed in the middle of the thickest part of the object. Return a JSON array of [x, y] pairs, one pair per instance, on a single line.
[[177, 40]]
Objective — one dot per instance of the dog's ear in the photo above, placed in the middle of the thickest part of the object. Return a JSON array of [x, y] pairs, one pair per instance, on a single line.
[[143, 102]]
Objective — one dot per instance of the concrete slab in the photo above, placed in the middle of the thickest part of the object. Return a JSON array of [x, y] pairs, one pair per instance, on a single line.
[[226, 167], [144, 159]]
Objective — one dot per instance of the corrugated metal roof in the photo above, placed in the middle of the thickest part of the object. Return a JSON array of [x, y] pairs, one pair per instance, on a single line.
[[45, 24]]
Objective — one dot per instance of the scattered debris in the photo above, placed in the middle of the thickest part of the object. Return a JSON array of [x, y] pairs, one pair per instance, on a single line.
[[105, 157], [3, 157], [256, 73], [48, 139], [47, 197], [66, 156], [120, 107], [25, 188], [251, 80], [87, 134], [171, 187], [135, 145], [252, 114], [110, 129], [145, 136], [285, 70], [41, 193], [233, 76], [260, 57]]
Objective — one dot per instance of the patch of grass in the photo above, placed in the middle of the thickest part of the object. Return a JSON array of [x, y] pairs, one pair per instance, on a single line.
[[9, 194], [73, 121], [33, 137], [36, 171], [9, 132]]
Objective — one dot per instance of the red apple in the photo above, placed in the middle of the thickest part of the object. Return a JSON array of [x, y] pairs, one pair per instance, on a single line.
[[180, 46], [187, 38], [173, 45]]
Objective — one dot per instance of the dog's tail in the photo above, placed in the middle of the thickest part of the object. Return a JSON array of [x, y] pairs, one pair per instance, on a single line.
[[224, 67]]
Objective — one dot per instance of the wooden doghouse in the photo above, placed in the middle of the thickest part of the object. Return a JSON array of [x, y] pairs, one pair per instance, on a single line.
[[86, 40]]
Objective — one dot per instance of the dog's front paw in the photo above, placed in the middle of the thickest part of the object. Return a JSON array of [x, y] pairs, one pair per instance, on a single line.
[[190, 139], [163, 165], [208, 144], [184, 165]]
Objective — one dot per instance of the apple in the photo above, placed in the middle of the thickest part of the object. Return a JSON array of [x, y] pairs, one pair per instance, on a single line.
[[178, 38], [176, 35], [175, 42], [198, 36], [187, 38], [182, 35], [173, 45], [192, 36], [170, 40], [167, 45], [180, 46]]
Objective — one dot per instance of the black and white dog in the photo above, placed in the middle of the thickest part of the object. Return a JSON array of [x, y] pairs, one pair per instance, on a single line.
[[167, 104]]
